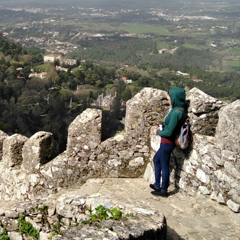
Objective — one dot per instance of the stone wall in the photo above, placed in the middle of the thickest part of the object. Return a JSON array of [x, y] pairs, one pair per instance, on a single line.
[[210, 167], [213, 167], [62, 216]]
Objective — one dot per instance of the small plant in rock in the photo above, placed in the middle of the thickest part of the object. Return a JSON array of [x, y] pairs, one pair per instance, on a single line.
[[116, 214], [56, 228], [52, 234], [43, 209], [102, 213], [44, 215], [27, 228], [4, 235], [33, 209]]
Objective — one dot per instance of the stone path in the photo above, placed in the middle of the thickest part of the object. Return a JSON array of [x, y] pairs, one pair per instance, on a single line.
[[187, 217]]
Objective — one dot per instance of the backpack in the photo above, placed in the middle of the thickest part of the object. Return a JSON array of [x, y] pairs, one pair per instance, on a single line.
[[182, 139]]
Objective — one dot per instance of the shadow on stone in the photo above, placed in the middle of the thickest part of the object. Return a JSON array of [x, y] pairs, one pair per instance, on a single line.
[[172, 235], [110, 124], [173, 192]]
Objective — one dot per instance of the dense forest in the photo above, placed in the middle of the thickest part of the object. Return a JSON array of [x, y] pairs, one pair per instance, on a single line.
[[30, 104]]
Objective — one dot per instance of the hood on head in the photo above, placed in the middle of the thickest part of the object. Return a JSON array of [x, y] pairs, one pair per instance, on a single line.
[[178, 97]]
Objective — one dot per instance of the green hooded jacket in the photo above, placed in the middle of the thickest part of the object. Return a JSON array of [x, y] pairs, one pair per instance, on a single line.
[[177, 114]]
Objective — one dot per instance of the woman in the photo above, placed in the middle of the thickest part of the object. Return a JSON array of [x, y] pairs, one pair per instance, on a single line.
[[172, 123]]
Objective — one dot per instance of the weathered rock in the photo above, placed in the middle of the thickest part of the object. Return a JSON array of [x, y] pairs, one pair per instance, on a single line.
[[235, 207], [12, 150], [72, 208], [3, 136], [84, 133], [228, 129], [203, 111], [145, 109], [37, 151]]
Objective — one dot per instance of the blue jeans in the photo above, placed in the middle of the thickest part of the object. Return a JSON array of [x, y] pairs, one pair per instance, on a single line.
[[161, 165]]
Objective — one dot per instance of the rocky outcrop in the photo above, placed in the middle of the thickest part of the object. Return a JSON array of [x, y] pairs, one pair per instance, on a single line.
[[210, 166]]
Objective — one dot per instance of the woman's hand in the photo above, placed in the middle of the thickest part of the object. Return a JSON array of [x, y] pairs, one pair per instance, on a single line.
[[156, 129]]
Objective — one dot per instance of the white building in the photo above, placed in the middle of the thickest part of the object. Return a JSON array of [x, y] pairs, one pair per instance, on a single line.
[[181, 73], [52, 57], [69, 61], [41, 75]]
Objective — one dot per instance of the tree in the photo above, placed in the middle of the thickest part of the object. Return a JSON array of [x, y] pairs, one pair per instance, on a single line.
[[25, 72], [126, 94]]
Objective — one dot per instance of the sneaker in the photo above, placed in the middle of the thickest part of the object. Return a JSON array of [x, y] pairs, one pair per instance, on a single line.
[[154, 188], [161, 194]]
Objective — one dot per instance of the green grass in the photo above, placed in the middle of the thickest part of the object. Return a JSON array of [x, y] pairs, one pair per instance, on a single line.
[[192, 46], [44, 67], [231, 65], [4, 235], [161, 45], [235, 51], [144, 29], [234, 63], [90, 26], [27, 228]]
